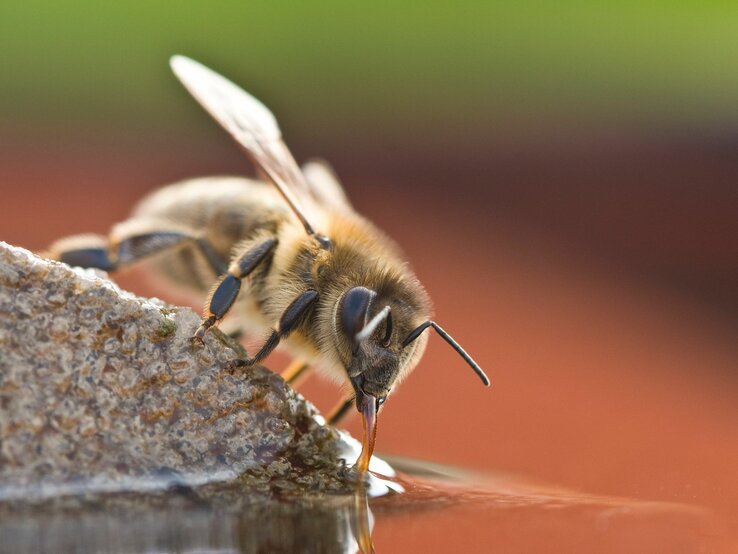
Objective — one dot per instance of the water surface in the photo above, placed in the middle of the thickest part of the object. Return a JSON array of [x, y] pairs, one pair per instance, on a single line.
[[426, 508]]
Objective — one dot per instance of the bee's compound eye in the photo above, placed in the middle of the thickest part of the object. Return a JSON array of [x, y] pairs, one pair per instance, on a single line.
[[353, 314]]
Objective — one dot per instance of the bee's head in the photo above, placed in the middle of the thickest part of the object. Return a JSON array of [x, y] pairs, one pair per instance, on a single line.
[[373, 327], [386, 342]]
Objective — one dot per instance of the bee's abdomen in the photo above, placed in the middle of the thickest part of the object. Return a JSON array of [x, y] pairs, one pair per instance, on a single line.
[[223, 211]]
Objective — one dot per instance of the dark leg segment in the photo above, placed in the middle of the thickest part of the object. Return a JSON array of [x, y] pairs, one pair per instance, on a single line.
[[138, 246], [248, 262], [295, 372], [90, 256], [110, 254], [290, 320], [340, 411], [224, 295], [83, 251]]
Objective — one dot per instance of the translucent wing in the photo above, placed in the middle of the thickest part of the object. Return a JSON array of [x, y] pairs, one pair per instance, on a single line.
[[253, 127], [325, 187]]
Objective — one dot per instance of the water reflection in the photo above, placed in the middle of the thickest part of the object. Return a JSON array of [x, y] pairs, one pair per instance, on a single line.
[[362, 522], [185, 522], [442, 510], [168, 515]]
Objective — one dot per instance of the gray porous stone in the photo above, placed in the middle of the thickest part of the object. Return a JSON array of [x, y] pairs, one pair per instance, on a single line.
[[101, 390]]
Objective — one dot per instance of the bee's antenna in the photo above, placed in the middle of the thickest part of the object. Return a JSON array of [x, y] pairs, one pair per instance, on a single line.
[[415, 333]]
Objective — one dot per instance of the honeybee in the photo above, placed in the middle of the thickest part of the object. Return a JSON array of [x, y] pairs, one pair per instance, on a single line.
[[290, 253]]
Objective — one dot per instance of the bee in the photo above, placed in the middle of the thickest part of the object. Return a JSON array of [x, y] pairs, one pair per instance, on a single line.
[[288, 252]]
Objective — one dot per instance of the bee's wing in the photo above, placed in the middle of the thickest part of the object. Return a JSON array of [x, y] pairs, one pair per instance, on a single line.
[[325, 187], [253, 126]]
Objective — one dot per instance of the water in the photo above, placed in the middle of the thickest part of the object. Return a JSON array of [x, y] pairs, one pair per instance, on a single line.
[[422, 508]]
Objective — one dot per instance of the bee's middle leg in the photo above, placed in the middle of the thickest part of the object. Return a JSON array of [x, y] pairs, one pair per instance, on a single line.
[[225, 293]]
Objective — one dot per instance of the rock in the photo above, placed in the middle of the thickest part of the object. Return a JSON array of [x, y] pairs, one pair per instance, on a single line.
[[101, 390]]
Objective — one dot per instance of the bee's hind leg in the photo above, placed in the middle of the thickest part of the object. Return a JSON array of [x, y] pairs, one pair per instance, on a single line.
[[339, 411], [129, 242], [83, 251], [296, 372]]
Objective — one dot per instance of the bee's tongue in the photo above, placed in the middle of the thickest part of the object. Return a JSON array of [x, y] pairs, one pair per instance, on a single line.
[[369, 418]]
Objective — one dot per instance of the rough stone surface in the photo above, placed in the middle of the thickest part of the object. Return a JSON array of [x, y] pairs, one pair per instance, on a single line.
[[102, 390]]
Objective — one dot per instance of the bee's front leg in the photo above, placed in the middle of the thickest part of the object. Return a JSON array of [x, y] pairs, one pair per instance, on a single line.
[[291, 318], [225, 293]]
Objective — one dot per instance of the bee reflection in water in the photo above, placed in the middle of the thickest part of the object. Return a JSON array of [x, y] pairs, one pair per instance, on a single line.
[[342, 525], [363, 522]]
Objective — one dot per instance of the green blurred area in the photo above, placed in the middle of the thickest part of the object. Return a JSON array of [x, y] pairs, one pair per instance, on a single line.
[[454, 66]]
